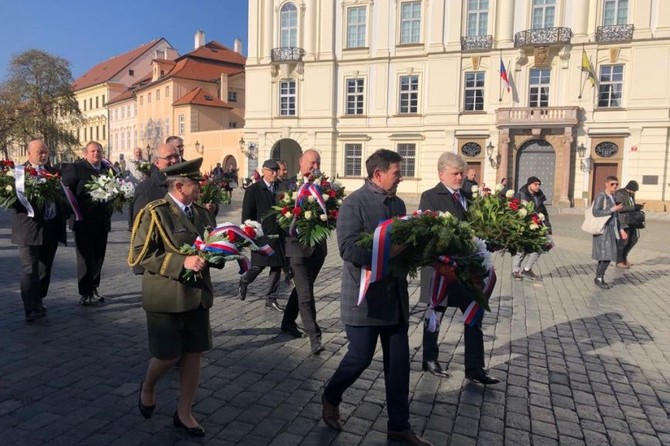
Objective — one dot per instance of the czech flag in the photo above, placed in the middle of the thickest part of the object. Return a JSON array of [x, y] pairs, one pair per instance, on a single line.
[[503, 75]]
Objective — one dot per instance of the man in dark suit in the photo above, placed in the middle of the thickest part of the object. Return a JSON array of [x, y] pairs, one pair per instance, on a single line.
[[37, 239], [90, 233], [306, 262], [384, 314], [447, 196], [177, 310], [258, 201]]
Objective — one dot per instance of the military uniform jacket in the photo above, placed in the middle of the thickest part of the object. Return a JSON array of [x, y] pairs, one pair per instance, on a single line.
[[96, 215], [160, 229]]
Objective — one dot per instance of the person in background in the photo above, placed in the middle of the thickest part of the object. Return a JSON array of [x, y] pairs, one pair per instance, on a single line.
[[258, 201], [282, 173], [626, 196], [470, 180], [91, 232], [178, 142], [36, 239], [177, 311], [604, 247], [135, 176], [217, 172], [530, 192]]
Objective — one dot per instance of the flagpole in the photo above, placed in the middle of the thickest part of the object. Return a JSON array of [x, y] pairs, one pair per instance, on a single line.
[[509, 76], [581, 76], [500, 77]]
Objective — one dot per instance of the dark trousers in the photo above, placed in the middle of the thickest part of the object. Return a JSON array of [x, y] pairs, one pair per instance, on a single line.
[[473, 338], [395, 348], [91, 248], [624, 246], [273, 278], [301, 300], [602, 267], [36, 263]]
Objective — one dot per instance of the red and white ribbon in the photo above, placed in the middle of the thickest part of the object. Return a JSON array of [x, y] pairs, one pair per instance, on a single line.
[[20, 185]]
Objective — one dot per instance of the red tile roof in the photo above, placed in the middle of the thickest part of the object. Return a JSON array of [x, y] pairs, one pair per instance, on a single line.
[[201, 70], [106, 70], [215, 51], [198, 96]]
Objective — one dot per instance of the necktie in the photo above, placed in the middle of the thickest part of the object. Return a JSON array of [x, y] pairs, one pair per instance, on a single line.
[[457, 196], [271, 189], [189, 213]]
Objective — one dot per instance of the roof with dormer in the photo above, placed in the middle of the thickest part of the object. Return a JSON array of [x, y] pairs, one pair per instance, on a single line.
[[199, 96]]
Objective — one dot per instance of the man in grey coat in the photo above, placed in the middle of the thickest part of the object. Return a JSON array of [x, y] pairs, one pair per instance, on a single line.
[[384, 314]]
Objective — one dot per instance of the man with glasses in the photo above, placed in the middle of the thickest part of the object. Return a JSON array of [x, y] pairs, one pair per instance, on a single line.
[[178, 143], [258, 200]]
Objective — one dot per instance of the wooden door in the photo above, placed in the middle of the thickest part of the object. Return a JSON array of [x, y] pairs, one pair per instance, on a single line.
[[600, 172]]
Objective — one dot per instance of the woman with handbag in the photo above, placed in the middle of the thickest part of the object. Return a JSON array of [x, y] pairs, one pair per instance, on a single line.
[[626, 197], [605, 245]]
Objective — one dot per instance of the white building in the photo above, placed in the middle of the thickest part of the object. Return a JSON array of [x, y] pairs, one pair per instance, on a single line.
[[348, 77]]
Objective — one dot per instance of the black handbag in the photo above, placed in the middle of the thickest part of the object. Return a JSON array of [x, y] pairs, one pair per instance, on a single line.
[[634, 219]]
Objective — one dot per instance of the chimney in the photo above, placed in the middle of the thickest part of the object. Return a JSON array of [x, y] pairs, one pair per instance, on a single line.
[[237, 46], [199, 39]]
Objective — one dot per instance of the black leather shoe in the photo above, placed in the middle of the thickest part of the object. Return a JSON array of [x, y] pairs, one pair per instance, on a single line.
[[317, 346], [197, 431], [331, 414], [600, 283], [481, 376], [272, 303], [292, 330], [242, 290], [36, 316], [146, 411], [85, 301], [407, 437], [97, 297], [435, 368]]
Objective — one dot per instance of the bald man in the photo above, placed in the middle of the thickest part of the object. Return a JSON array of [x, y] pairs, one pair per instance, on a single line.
[[306, 262], [37, 240]]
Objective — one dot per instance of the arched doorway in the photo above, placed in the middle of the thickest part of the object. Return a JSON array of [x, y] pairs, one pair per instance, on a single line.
[[230, 168], [537, 158], [288, 150]]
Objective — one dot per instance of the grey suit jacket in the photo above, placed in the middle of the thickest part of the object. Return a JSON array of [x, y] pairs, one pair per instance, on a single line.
[[387, 301]]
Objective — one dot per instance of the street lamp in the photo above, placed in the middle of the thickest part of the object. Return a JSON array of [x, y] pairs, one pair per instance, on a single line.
[[581, 150], [200, 148], [241, 142], [585, 163], [493, 155]]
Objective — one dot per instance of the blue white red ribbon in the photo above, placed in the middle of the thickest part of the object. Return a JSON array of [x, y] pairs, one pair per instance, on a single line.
[[228, 248], [381, 247], [438, 292], [306, 190], [72, 201], [20, 185], [474, 313]]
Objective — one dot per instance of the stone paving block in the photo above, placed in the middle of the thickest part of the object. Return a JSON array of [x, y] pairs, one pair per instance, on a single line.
[[620, 438]]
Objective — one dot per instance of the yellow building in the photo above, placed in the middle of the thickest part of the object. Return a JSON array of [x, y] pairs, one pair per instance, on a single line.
[[198, 96], [107, 80], [351, 76]]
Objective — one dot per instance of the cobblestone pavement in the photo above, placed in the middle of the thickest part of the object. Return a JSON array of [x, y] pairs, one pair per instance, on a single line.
[[578, 365]]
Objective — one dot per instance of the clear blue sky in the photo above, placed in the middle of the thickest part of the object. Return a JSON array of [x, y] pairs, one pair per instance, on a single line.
[[87, 32]]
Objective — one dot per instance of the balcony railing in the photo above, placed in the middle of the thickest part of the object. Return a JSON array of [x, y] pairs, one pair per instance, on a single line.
[[287, 54], [542, 36], [614, 33], [476, 43], [537, 116]]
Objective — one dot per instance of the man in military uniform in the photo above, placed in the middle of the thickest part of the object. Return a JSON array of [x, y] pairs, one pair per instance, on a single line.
[[177, 309]]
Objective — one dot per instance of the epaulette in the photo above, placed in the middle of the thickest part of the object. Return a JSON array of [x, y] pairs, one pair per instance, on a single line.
[[156, 203]]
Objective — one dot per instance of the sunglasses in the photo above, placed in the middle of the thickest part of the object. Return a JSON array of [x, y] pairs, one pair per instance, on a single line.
[[614, 184]]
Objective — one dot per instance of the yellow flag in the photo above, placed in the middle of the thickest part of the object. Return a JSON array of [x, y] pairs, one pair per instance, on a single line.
[[588, 68]]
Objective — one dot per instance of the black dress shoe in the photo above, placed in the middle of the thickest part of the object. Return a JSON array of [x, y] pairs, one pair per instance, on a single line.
[[197, 431], [36, 316], [317, 346], [331, 414], [600, 283], [242, 290], [435, 368], [481, 376], [146, 411], [97, 297], [407, 437], [272, 303], [292, 330]]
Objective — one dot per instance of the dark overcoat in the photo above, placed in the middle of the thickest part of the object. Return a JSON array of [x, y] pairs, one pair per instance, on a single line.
[[605, 245], [256, 205], [386, 301], [96, 215]]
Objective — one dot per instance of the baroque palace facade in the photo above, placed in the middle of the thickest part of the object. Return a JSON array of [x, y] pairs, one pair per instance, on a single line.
[[568, 90]]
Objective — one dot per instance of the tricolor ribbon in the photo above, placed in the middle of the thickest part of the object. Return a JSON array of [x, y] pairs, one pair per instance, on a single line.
[[474, 313], [381, 247], [438, 291], [72, 201], [228, 248], [20, 184]]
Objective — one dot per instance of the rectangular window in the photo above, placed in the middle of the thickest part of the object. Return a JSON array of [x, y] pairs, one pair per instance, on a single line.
[[478, 17], [123, 112], [408, 165], [131, 72], [96, 102], [353, 155], [103, 100], [158, 95], [287, 97], [355, 96], [84, 105], [544, 12], [409, 94], [356, 27], [104, 131], [474, 91], [97, 132], [182, 125], [90, 103], [610, 86], [232, 124], [232, 96], [539, 88], [148, 98], [288, 25], [410, 22], [615, 12], [167, 91], [141, 98]]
